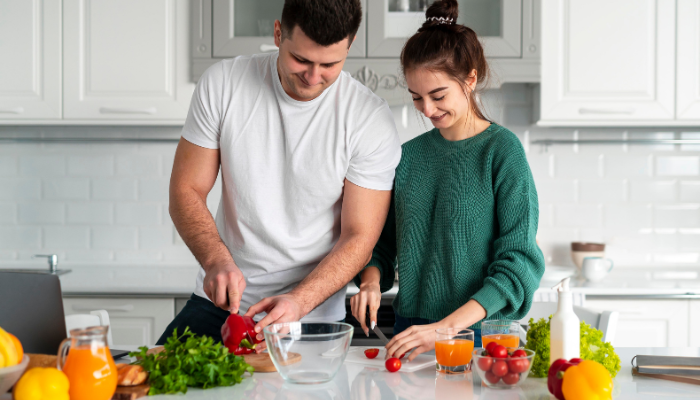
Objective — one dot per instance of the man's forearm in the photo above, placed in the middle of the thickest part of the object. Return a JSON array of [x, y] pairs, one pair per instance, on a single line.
[[334, 272], [197, 228]]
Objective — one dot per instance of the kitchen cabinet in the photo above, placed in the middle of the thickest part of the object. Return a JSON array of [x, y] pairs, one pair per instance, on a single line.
[[126, 60], [134, 321], [498, 24], [649, 323], [30, 73], [509, 30], [247, 27], [608, 63], [688, 61]]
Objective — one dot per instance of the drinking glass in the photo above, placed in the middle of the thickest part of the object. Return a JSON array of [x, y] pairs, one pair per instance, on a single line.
[[453, 350], [502, 331], [88, 364]]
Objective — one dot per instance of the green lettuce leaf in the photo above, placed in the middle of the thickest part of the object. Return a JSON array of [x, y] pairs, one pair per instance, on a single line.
[[592, 348]]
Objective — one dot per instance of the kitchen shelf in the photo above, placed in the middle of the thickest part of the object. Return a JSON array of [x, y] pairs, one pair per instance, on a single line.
[[549, 142]]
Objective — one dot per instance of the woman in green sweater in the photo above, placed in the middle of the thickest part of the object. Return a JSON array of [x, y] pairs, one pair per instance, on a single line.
[[464, 212]]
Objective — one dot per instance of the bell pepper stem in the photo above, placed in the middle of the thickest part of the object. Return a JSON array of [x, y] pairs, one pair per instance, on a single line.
[[245, 343]]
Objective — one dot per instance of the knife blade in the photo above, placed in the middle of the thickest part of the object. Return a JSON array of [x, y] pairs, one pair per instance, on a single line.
[[379, 334]]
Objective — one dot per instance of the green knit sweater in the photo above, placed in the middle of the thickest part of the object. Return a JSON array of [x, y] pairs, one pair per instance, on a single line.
[[462, 226]]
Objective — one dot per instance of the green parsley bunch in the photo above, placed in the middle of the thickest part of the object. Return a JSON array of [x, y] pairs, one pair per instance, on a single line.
[[190, 360]]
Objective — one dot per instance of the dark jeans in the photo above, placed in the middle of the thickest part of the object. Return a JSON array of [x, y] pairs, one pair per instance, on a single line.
[[203, 318], [402, 324], [201, 315]]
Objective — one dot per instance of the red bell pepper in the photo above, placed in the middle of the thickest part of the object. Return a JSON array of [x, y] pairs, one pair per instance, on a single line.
[[555, 376], [238, 333]]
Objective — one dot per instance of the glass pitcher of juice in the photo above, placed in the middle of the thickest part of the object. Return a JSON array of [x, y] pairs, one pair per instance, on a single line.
[[88, 364]]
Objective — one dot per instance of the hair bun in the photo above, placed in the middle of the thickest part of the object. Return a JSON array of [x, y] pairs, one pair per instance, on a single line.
[[441, 12]]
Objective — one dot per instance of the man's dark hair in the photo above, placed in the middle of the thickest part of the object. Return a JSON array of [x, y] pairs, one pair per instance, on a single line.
[[326, 22]]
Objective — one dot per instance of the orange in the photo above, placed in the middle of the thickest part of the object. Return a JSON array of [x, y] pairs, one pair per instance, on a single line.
[[18, 346]]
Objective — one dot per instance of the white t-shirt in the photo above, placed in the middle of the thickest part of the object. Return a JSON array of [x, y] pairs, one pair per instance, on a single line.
[[283, 166]]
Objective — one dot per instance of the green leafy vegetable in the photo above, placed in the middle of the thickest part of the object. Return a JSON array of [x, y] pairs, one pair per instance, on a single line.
[[592, 348], [191, 360]]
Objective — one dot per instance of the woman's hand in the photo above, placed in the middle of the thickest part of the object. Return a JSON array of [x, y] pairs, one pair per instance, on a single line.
[[418, 337], [369, 296]]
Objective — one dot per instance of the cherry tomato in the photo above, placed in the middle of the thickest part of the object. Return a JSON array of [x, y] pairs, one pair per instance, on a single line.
[[517, 365], [401, 356], [491, 378], [393, 364], [490, 346], [511, 378], [485, 363], [499, 351], [371, 353], [519, 353], [499, 368]]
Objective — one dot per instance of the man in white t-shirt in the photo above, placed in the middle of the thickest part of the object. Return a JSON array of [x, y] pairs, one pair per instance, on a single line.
[[307, 157]]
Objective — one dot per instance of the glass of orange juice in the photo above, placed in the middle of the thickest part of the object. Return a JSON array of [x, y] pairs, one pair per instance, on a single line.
[[88, 364], [453, 350], [502, 331]]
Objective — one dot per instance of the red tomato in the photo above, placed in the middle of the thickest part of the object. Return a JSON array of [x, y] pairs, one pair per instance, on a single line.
[[511, 378], [517, 365], [499, 351], [499, 368], [519, 353], [393, 364], [485, 363], [493, 379], [401, 356], [490, 346], [371, 353]]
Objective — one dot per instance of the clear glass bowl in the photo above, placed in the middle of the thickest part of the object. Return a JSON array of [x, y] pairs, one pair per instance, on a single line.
[[308, 353], [519, 366]]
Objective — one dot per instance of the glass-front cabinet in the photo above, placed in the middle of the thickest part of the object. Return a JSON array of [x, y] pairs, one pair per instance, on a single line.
[[247, 27], [497, 22]]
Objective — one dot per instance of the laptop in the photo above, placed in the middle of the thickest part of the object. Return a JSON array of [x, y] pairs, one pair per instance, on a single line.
[[31, 308]]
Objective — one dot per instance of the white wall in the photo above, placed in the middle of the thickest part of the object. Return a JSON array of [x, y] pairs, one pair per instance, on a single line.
[[107, 203]]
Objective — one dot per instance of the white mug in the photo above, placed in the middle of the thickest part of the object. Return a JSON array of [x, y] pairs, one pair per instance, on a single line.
[[595, 269]]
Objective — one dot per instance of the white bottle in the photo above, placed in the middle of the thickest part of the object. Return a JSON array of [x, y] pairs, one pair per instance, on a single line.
[[565, 328]]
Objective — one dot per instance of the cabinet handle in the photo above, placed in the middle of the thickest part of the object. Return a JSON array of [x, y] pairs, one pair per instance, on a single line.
[[627, 111], [14, 110], [120, 110], [265, 48], [126, 307]]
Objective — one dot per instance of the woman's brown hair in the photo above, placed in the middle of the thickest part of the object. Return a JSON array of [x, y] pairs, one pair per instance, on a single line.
[[443, 45]]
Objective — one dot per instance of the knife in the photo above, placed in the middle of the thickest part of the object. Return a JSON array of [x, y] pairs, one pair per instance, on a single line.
[[379, 334]]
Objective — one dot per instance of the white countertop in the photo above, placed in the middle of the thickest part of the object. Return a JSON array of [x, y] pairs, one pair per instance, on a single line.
[[357, 382]]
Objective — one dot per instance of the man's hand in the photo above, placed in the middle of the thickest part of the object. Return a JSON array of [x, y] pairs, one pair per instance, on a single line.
[[224, 284], [282, 308]]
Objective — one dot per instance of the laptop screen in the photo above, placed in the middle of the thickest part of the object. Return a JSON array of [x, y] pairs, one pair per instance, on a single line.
[[31, 308]]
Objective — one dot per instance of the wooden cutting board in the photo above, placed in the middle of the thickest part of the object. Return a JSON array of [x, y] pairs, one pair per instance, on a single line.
[[260, 362]]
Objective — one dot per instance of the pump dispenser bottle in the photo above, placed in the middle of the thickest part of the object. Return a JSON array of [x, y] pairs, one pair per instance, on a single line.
[[565, 329]]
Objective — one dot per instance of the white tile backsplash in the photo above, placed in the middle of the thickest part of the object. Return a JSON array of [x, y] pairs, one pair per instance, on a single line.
[[66, 189], [108, 203]]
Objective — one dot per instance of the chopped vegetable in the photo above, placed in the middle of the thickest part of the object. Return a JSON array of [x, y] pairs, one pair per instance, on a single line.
[[191, 360], [371, 353], [592, 348], [238, 333]]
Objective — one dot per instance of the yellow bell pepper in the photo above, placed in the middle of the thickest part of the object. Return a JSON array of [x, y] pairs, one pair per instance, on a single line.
[[587, 381], [8, 352], [42, 383]]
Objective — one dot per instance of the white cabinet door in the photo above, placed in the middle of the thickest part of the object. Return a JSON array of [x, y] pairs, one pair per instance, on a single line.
[[497, 23], [126, 59], [688, 64], [30, 70], [606, 61], [134, 321], [648, 323], [694, 323]]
